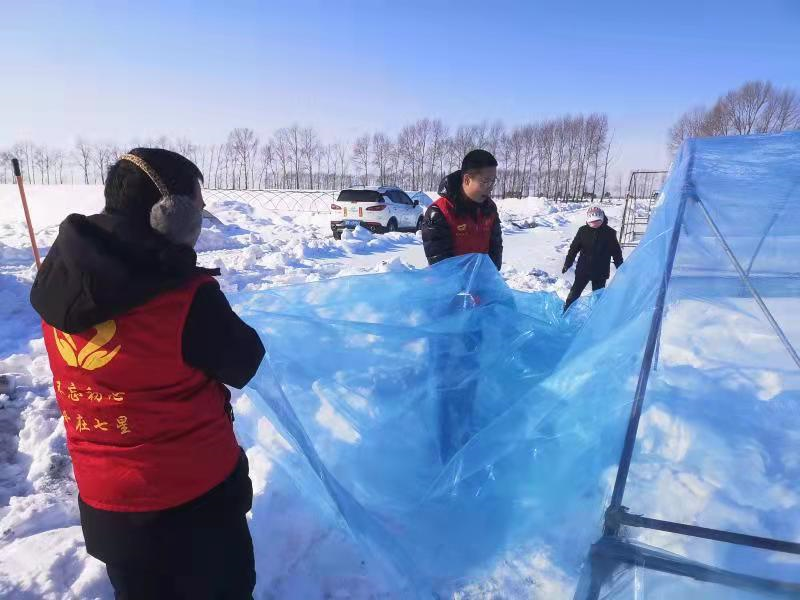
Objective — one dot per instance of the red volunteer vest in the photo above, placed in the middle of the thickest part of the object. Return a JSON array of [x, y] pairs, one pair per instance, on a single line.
[[145, 430], [469, 235]]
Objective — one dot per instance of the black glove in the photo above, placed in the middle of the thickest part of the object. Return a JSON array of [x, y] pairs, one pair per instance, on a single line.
[[564, 270]]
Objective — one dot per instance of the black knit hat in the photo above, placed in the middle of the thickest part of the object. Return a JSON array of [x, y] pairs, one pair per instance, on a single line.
[[478, 159], [129, 188]]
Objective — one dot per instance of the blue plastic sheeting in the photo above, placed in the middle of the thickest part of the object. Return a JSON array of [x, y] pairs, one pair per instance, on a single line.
[[426, 404], [718, 445], [450, 425]]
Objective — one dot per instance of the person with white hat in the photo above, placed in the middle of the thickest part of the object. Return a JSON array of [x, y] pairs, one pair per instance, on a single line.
[[595, 245]]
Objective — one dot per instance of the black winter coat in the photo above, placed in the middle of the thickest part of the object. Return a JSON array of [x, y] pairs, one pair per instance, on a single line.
[[100, 267], [597, 247], [437, 239]]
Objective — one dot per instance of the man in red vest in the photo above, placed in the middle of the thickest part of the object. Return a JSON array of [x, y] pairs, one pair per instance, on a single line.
[[142, 343], [464, 220]]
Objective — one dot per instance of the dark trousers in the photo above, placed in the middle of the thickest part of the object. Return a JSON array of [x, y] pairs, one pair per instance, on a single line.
[[201, 550], [581, 281], [458, 367], [232, 575]]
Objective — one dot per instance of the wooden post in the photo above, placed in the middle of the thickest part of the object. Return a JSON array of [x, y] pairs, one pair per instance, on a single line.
[[18, 175]]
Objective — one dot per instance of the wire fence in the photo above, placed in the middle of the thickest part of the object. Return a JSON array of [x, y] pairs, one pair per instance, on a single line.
[[294, 201], [301, 201]]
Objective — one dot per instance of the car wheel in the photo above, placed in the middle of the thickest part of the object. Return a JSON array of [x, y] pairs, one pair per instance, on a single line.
[[337, 235], [392, 225]]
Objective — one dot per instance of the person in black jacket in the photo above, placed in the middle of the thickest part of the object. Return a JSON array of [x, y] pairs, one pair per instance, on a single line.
[[596, 246], [464, 219], [118, 262]]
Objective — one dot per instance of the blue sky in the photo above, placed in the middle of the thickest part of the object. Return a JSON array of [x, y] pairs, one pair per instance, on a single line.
[[122, 70]]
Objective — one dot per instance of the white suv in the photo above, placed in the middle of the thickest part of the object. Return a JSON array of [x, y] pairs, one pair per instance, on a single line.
[[379, 209]]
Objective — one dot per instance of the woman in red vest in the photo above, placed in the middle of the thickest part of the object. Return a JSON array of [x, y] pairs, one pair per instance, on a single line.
[[141, 343], [464, 220]]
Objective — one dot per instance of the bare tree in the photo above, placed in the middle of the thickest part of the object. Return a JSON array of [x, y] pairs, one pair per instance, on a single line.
[[281, 144], [267, 166], [606, 164], [361, 155], [83, 158], [201, 154], [319, 156], [490, 140], [755, 107], [381, 152], [40, 161], [573, 130], [294, 149], [463, 141], [243, 144], [343, 161], [329, 155], [185, 147], [438, 151], [422, 139], [309, 149], [211, 173], [224, 166], [407, 149], [5, 172], [395, 164], [58, 166], [25, 152], [544, 140], [690, 124], [228, 164], [782, 112], [101, 154], [744, 106]]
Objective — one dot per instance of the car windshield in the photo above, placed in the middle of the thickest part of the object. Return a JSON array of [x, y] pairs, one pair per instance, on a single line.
[[359, 196]]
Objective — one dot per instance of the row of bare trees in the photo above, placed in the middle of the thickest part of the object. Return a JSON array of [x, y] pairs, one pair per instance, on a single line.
[[567, 157], [563, 158], [85, 163], [39, 163], [755, 107]]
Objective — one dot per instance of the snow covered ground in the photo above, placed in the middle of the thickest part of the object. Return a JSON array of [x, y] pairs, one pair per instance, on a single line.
[[41, 549]]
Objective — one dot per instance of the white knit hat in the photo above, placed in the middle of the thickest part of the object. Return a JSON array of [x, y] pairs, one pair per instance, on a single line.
[[595, 214]]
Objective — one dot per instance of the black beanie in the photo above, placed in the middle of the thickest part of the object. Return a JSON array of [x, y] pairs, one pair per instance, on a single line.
[[177, 172], [478, 159], [131, 189]]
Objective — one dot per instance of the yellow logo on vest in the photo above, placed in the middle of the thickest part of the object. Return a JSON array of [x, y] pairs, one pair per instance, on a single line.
[[91, 356]]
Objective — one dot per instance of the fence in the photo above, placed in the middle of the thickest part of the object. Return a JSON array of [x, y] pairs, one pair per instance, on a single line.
[[312, 201], [302, 201], [643, 190]]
